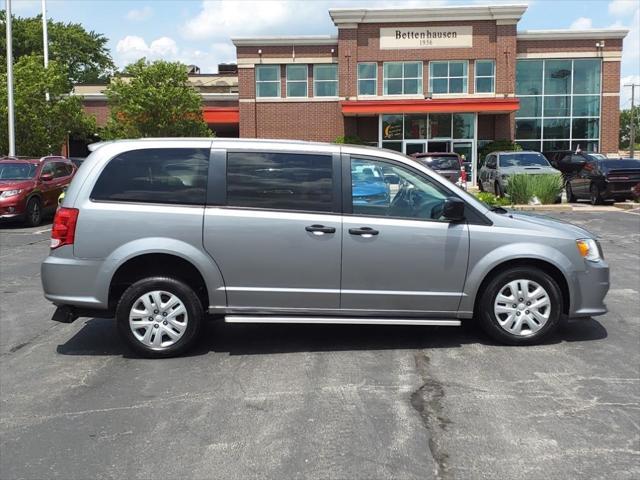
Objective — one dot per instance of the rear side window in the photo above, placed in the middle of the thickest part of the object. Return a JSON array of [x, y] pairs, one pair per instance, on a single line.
[[158, 175], [281, 181]]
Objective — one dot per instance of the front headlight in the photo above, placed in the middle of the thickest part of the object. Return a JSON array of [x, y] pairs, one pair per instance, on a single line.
[[589, 249], [10, 193]]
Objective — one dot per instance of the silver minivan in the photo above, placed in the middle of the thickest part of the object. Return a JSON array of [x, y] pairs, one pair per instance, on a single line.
[[163, 233]]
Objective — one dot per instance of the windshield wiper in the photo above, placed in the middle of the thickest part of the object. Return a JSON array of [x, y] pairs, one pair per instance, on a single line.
[[499, 209]]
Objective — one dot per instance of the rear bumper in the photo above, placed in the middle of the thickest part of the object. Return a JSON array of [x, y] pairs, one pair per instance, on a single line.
[[589, 290], [618, 189], [73, 282]]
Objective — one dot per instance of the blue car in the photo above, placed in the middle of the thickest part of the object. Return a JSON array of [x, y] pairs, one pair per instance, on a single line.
[[368, 186]]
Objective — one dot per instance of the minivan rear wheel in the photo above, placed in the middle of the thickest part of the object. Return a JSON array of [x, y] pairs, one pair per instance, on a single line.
[[159, 317], [520, 306]]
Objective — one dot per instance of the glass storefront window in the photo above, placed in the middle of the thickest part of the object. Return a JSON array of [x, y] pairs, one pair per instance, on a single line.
[[528, 129], [530, 107], [391, 127], [586, 106], [367, 78], [586, 128], [586, 76], [555, 145], [463, 125], [325, 80], [556, 128], [587, 146], [557, 106], [557, 77], [529, 77], [402, 78], [397, 146], [440, 125], [416, 126], [297, 80], [267, 81]]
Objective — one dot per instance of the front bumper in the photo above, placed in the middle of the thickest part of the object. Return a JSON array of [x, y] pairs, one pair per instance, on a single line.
[[589, 289]]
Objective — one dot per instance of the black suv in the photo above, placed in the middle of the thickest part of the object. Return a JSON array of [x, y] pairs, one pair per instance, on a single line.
[[569, 162]]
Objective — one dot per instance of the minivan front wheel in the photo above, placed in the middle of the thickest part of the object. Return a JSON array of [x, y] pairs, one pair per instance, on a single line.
[[520, 306], [159, 317]]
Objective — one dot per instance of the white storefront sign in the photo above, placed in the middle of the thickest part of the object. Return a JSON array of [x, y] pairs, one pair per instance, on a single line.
[[426, 37]]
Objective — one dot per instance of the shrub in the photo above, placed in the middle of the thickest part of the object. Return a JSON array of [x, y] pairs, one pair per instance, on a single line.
[[546, 187], [349, 139], [520, 188], [491, 200]]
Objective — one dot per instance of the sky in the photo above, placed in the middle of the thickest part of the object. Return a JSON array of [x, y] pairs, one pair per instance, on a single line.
[[198, 32]]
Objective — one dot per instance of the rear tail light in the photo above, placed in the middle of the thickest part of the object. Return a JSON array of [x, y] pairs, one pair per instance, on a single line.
[[63, 230]]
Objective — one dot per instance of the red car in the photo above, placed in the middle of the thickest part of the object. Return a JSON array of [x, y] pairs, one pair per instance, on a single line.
[[29, 187]]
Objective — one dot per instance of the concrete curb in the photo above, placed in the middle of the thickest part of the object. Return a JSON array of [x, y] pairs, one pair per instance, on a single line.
[[550, 208]]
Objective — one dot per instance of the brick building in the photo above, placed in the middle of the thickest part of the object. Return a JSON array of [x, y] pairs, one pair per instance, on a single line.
[[429, 79]]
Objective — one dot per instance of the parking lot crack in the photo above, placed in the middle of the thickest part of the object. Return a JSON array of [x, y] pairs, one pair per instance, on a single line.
[[427, 400]]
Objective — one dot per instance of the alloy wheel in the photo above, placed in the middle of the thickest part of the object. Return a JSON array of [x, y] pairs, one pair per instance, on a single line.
[[35, 213], [158, 319], [522, 307]]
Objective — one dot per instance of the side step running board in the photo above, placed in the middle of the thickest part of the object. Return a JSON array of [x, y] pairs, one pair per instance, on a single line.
[[342, 320]]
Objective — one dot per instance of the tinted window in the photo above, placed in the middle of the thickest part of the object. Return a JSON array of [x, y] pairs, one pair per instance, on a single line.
[[284, 181], [48, 169], [523, 160], [62, 169], [172, 175], [409, 195]]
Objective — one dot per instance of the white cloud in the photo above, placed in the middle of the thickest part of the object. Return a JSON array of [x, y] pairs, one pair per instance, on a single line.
[[620, 8], [581, 23], [132, 48], [139, 14]]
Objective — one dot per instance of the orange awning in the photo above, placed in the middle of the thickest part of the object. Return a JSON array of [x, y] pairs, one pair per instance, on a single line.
[[436, 105], [221, 115]]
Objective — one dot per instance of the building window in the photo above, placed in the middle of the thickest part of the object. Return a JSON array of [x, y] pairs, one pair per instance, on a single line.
[[485, 76], [297, 80], [559, 104], [448, 77], [267, 81], [367, 78], [402, 78], [325, 80]]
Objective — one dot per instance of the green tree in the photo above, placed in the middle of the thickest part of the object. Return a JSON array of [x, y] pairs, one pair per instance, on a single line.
[[154, 100], [85, 55], [625, 126], [41, 126]]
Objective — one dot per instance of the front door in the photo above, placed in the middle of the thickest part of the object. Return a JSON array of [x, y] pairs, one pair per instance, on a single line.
[[400, 255], [277, 241]]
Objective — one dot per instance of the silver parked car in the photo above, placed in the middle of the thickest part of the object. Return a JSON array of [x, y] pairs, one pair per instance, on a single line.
[[159, 233], [499, 166]]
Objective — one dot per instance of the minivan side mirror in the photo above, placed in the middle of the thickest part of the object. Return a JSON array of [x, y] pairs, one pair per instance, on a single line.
[[453, 209]]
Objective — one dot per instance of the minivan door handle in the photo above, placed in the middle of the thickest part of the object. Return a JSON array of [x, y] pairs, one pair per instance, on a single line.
[[363, 231], [320, 229]]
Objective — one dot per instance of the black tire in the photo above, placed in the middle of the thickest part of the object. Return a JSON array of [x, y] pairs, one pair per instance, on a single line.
[[171, 285], [480, 185], [33, 214], [594, 195], [498, 190], [571, 198], [487, 297]]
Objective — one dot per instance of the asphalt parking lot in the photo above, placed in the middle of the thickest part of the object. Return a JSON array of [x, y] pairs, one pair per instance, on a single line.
[[283, 401]]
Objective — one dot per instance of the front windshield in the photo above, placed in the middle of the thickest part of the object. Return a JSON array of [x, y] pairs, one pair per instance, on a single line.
[[441, 163], [17, 171], [523, 160], [366, 173]]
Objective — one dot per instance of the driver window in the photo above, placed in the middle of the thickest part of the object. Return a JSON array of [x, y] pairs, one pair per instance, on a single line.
[[383, 189], [47, 169]]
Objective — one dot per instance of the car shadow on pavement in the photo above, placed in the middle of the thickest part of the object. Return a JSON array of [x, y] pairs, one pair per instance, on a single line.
[[99, 337], [47, 220]]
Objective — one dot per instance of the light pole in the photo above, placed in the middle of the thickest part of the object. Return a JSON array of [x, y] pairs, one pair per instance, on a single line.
[[45, 40], [12, 128]]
